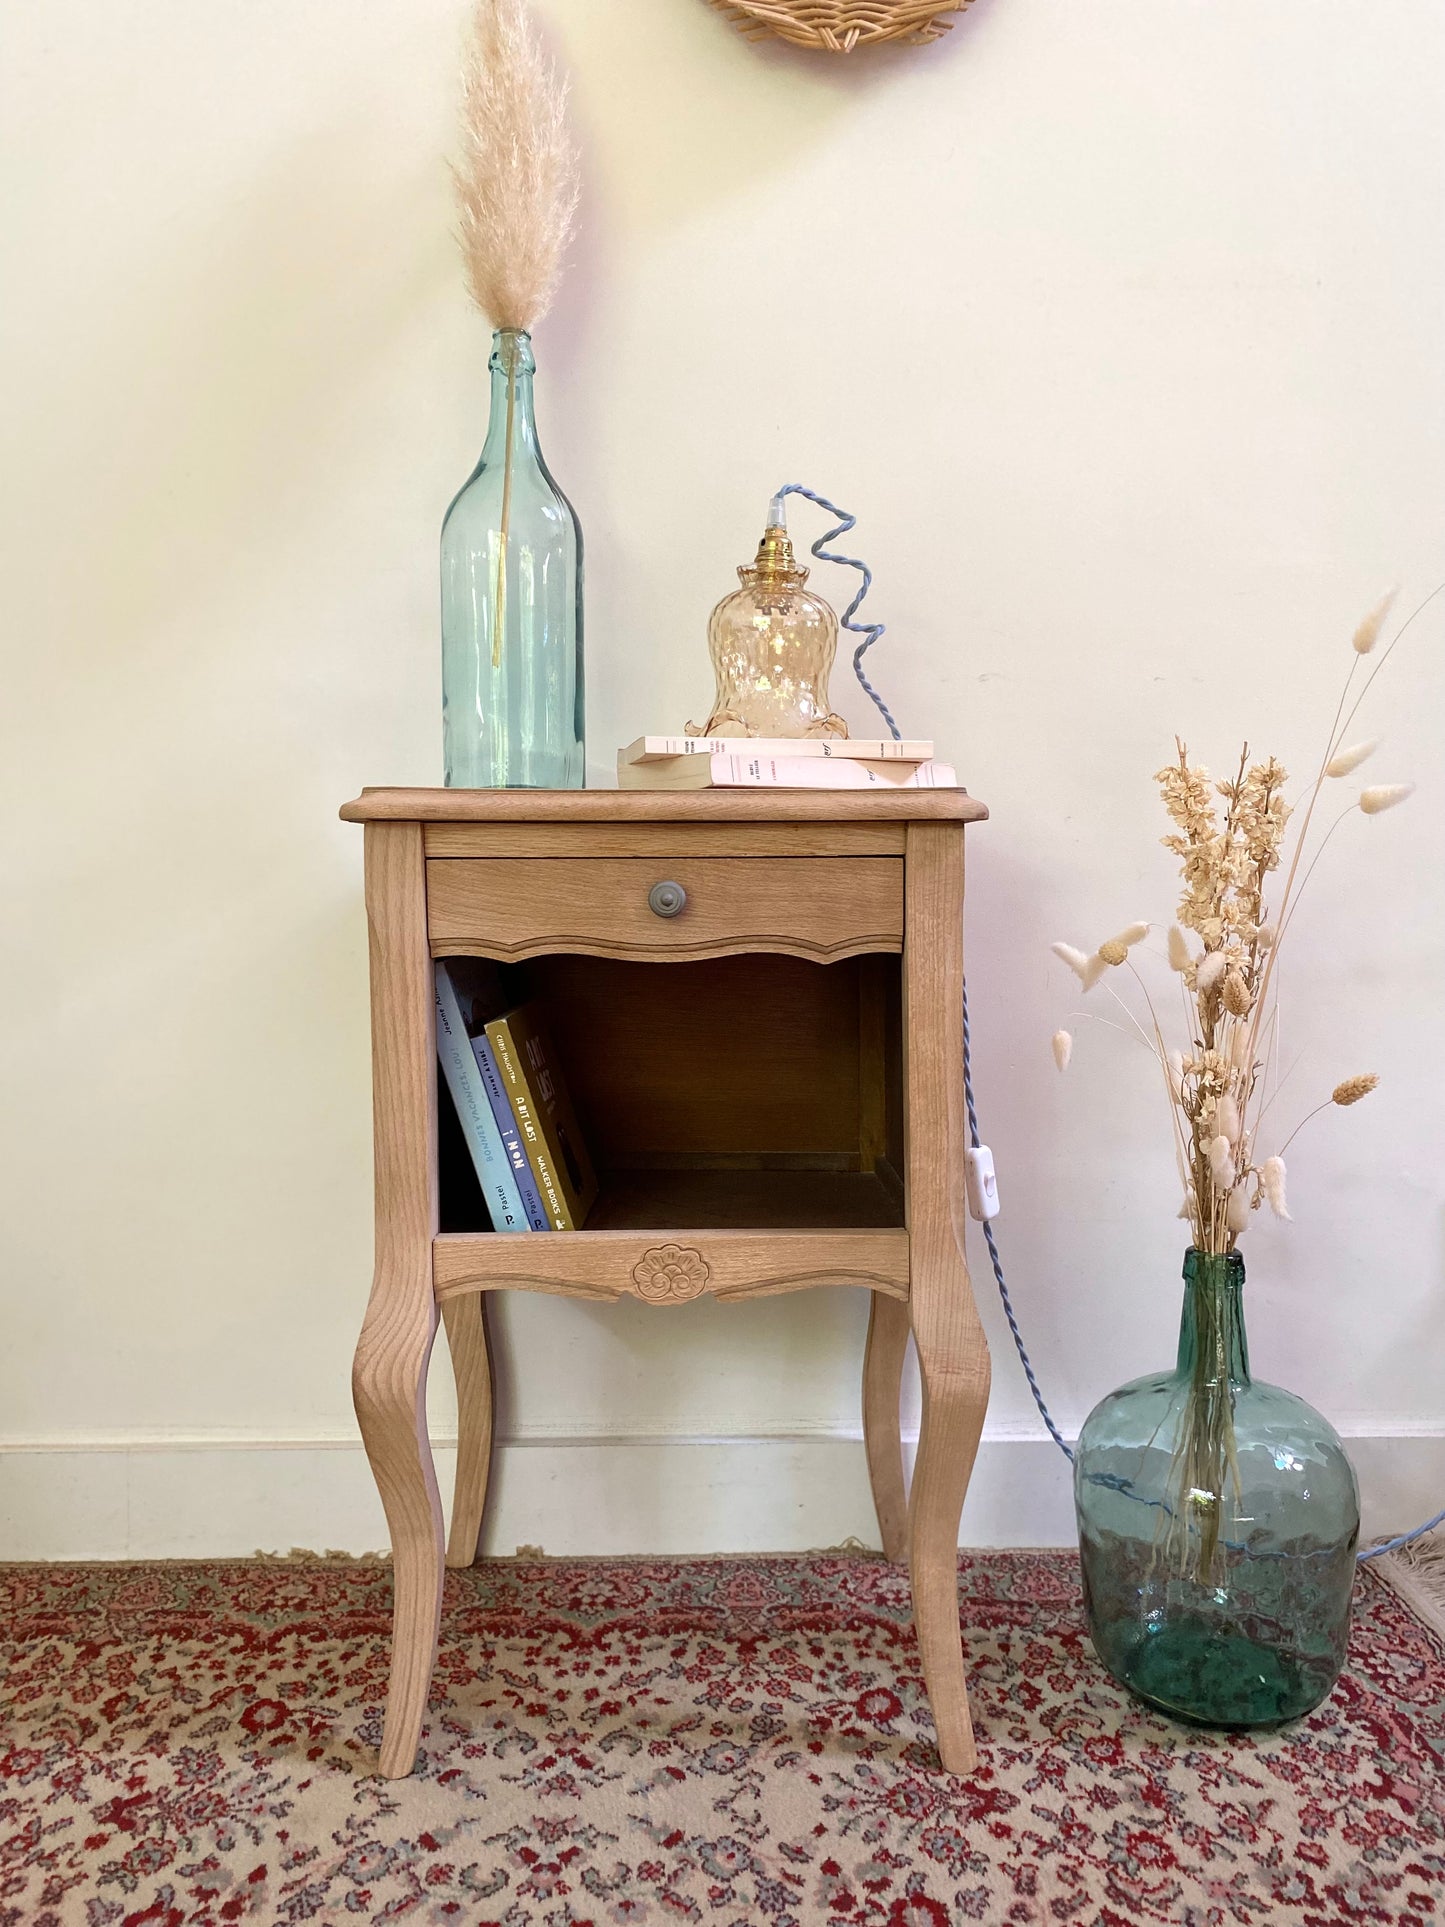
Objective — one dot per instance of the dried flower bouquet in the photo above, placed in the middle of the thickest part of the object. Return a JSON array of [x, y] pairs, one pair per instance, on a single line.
[[1223, 950]]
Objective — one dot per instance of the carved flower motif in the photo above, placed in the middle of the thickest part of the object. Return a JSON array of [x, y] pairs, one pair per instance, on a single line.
[[669, 1274]]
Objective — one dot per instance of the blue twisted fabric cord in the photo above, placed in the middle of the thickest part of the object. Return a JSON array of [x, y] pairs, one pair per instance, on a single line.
[[1394, 1545], [870, 633], [1008, 1310]]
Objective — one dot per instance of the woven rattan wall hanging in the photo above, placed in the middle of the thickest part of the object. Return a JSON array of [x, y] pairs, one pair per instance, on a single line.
[[838, 26]]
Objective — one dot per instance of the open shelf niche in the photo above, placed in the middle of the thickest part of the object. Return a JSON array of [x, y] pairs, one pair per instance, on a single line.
[[756, 1091]]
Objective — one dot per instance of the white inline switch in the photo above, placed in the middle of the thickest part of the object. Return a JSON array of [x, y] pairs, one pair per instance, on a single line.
[[982, 1184]]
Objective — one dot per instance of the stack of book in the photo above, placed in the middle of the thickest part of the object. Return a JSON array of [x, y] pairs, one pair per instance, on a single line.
[[511, 1102], [784, 763]]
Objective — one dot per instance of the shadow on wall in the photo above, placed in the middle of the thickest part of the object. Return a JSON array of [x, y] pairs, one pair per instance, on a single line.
[[723, 112], [233, 350], [271, 308]]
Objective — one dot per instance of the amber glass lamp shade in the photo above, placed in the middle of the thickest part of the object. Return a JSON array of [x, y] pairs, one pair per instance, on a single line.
[[772, 645]]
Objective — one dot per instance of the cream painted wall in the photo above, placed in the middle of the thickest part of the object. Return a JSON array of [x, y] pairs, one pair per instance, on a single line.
[[1120, 325]]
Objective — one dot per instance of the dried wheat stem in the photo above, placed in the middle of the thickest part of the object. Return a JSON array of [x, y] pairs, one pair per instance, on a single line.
[[1157, 1052], [1351, 1089], [1144, 1038], [1394, 644], [499, 623], [1161, 1051], [1093, 1017], [1284, 921], [1302, 1123], [1348, 1092], [1338, 728]]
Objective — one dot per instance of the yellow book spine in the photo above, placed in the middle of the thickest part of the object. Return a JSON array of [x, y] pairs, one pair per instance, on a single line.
[[538, 1155]]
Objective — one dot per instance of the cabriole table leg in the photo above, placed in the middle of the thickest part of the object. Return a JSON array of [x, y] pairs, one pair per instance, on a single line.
[[952, 1350], [389, 1373], [388, 1383]]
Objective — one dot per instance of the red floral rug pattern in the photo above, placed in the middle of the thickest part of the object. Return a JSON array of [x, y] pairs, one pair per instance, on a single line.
[[740, 1742]]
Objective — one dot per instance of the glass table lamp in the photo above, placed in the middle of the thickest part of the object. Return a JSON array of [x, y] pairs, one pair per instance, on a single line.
[[772, 644]]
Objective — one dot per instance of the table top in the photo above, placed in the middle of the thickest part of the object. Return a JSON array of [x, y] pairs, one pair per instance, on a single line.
[[663, 806]]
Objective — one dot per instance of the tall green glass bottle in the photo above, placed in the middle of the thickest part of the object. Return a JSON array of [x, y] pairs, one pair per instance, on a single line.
[[1218, 1518], [512, 688]]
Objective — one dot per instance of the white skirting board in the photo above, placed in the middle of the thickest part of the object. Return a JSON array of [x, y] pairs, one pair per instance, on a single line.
[[229, 1497]]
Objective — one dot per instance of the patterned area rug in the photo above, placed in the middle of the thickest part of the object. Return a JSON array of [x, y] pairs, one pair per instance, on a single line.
[[741, 1742]]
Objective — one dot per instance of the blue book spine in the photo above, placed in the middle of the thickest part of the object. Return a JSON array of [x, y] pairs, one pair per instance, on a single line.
[[501, 1105], [484, 1140]]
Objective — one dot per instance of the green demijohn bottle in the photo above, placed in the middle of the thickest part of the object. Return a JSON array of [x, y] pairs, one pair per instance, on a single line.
[[511, 551], [1218, 1520]]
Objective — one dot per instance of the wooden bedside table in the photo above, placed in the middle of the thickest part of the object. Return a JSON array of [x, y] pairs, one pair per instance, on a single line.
[[771, 1082]]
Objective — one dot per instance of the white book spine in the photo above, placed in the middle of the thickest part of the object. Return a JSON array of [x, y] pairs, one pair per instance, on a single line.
[[651, 749], [834, 773]]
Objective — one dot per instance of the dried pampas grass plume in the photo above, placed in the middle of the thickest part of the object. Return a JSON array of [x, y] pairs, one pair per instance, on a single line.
[[517, 173], [1368, 633], [1063, 1049], [1354, 1088], [1346, 760], [1236, 1212], [516, 183], [1179, 954], [1384, 796]]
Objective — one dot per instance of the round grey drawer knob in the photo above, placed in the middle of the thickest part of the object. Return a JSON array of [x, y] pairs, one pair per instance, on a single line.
[[666, 899]]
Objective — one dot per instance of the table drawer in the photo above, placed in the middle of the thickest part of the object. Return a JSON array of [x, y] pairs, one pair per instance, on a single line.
[[816, 907]]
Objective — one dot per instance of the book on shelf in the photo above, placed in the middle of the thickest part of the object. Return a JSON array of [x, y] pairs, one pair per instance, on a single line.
[[749, 770], [477, 985], [511, 1101], [546, 1121], [873, 749], [481, 1128]]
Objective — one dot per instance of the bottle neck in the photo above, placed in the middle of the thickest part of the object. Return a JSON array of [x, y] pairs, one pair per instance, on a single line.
[[512, 368], [1212, 1342]]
